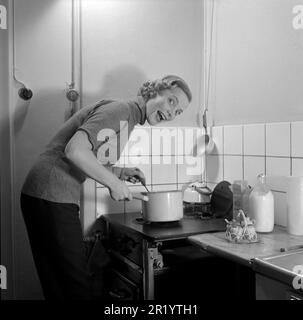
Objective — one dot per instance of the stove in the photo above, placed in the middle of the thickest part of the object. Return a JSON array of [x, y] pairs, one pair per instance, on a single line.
[[152, 231], [142, 252]]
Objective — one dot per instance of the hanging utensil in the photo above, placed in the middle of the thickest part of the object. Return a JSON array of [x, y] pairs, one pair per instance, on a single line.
[[205, 143]]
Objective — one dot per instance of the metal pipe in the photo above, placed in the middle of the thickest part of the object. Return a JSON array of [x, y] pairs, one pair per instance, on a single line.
[[24, 93], [210, 55], [72, 92]]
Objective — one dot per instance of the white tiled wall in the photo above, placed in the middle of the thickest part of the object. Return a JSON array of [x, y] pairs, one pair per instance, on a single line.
[[254, 138], [278, 139], [296, 137], [233, 140], [165, 155], [241, 152], [244, 151]]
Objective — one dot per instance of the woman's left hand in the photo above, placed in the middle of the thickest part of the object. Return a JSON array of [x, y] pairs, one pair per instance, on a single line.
[[133, 175]]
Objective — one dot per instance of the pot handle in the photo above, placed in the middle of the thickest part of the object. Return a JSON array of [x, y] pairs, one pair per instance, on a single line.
[[139, 196]]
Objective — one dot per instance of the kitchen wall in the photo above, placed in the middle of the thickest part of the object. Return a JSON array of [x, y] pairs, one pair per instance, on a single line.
[[256, 96], [168, 158], [244, 151], [5, 158], [257, 68], [43, 63], [125, 43]]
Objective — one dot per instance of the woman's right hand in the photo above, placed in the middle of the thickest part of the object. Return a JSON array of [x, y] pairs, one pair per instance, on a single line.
[[119, 191]]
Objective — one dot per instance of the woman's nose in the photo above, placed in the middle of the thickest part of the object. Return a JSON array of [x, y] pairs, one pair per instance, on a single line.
[[170, 115]]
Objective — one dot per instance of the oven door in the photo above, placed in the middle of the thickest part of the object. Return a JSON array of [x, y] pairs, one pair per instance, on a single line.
[[123, 288]]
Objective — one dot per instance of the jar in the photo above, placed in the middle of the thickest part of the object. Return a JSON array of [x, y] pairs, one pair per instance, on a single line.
[[261, 206]]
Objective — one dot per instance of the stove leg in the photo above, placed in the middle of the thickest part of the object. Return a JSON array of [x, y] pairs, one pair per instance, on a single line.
[[148, 271]]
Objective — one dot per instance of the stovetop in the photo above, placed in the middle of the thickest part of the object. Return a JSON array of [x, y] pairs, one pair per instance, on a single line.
[[184, 228]]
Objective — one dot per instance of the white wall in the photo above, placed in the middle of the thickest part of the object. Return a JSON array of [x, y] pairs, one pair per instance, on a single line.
[[126, 42], [43, 60], [258, 69], [5, 161]]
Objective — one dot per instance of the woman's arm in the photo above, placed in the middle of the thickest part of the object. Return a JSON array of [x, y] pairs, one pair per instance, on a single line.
[[79, 152]]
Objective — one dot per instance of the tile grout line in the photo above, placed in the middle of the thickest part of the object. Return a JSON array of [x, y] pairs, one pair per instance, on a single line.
[[242, 152], [254, 156], [265, 151], [223, 158], [290, 147], [124, 206], [176, 160], [96, 199], [151, 159]]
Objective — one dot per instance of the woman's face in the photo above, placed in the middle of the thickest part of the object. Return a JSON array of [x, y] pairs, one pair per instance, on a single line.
[[166, 106]]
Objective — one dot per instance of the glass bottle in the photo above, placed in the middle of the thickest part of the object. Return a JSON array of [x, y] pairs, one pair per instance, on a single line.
[[241, 191], [261, 206]]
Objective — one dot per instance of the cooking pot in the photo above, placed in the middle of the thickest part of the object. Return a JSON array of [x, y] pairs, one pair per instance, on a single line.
[[161, 206]]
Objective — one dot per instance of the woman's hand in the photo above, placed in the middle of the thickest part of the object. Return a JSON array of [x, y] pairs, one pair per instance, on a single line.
[[133, 175], [119, 191]]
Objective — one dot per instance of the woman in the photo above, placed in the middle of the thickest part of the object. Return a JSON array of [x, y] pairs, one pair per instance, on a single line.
[[50, 195]]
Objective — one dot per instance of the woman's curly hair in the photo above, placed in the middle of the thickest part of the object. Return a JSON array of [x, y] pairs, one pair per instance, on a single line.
[[150, 89]]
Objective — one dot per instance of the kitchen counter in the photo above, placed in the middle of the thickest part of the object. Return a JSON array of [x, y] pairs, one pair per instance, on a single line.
[[276, 260], [269, 244]]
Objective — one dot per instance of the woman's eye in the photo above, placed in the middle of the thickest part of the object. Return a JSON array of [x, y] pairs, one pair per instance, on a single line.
[[171, 102]]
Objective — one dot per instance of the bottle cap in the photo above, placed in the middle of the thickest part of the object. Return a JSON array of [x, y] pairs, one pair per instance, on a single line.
[[261, 177]]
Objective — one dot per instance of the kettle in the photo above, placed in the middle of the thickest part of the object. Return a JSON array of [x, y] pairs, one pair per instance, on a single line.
[[196, 199], [197, 192]]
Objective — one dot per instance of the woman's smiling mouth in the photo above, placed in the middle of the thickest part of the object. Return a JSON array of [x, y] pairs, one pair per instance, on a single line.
[[161, 116]]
